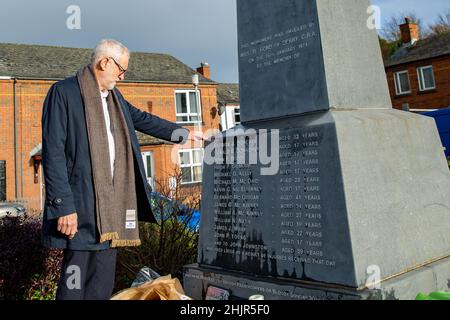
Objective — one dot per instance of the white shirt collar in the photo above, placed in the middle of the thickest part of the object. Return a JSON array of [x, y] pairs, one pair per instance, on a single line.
[[104, 94]]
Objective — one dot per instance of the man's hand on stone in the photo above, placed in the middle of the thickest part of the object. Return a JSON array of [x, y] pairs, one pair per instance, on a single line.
[[68, 225]]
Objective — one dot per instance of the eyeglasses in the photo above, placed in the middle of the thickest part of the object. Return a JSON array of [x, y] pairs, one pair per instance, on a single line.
[[121, 69]]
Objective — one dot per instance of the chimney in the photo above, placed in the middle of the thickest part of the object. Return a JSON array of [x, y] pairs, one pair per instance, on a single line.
[[409, 31], [204, 70]]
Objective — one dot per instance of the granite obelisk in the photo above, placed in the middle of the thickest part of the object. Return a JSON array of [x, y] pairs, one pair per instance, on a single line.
[[359, 207]]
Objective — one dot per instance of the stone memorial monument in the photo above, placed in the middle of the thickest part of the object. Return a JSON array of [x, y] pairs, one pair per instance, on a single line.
[[339, 196]]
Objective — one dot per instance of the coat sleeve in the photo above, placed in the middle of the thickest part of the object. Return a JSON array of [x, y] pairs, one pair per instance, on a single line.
[[58, 193], [157, 127]]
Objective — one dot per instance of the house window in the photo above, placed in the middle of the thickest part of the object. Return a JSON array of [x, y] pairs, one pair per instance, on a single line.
[[186, 106], [237, 116], [426, 78], [2, 180], [402, 85], [149, 167], [191, 165]]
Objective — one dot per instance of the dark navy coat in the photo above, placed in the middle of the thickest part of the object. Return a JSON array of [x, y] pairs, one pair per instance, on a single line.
[[67, 164]]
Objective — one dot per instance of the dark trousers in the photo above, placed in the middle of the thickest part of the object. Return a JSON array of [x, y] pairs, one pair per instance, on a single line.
[[87, 275]]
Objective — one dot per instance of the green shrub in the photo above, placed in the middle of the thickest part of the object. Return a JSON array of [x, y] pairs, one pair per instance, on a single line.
[[27, 269], [166, 250], [167, 245], [30, 271], [440, 295]]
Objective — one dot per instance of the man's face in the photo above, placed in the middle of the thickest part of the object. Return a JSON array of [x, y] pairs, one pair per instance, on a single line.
[[113, 71]]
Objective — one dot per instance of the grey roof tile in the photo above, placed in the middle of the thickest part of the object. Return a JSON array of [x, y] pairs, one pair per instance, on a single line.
[[427, 48], [50, 62], [228, 93], [147, 140]]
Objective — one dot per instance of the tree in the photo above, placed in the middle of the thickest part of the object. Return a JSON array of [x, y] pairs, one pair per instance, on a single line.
[[391, 29], [442, 24], [388, 48], [390, 36]]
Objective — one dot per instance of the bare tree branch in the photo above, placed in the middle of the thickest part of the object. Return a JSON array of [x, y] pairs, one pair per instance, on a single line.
[[441, 25], [391, 27]]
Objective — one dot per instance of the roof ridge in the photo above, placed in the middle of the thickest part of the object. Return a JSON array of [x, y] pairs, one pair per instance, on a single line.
[[59, 62], [77, 48], [426, 48]]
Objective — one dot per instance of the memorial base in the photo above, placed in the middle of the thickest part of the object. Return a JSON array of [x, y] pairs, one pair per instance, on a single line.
[[426, 279], [355, 190]]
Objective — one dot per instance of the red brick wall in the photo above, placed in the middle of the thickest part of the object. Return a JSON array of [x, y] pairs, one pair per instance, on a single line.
[[435, 99], [158, 99], [29, 96], [409, 32], [6, 133], [163, 165]]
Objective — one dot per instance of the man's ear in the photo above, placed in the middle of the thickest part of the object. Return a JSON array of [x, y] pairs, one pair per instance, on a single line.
[[103, 63]]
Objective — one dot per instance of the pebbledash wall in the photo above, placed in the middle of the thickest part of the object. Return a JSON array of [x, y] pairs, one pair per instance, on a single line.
[[156, 98]]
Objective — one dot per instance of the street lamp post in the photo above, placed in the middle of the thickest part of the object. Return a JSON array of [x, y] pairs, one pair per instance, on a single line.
[[195, 82]]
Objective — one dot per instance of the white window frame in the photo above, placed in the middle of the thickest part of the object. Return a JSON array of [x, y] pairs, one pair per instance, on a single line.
[[191, 164], [151, 180], [228, 116], [189, 114], [397, 82], [421, 78], [238, 113]]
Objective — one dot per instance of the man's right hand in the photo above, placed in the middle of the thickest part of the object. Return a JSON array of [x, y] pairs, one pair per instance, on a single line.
[[68, 225]]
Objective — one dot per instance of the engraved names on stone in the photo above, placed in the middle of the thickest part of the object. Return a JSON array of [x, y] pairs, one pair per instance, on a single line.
[[236, 198], [296, 220]]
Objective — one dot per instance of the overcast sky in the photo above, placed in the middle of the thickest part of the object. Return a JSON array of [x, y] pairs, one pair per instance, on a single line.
[[191, 30]]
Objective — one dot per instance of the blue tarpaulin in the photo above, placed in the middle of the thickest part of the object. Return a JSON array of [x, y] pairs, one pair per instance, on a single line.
[[442, 118]]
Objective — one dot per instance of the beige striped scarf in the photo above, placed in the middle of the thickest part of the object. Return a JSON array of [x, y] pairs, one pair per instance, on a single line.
[[116, 205]]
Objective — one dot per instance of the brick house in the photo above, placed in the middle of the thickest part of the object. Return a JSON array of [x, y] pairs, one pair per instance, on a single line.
[[156, 83], [419, 72]]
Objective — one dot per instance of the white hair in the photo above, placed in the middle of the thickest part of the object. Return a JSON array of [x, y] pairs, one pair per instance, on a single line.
[[109, 48]]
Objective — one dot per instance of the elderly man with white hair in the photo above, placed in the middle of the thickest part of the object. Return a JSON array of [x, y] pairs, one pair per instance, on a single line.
[[96, 189]]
